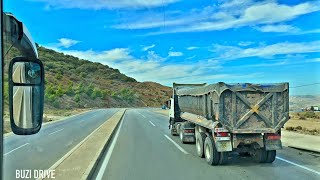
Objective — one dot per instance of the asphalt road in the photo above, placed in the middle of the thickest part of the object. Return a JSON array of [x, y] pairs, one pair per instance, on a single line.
[[42, 150], [144, 149]]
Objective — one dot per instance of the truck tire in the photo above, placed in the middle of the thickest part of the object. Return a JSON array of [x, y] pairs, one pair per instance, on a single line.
[[261, 155], [223, 158], [201, 137], [211, 154], [173, 133], [271, 156], [181, 135]]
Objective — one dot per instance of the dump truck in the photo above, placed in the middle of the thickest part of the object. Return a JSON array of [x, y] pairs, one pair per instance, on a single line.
[[221, 118]]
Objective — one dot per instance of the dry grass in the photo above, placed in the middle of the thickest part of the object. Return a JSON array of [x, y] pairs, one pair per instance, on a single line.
[[304, 123]]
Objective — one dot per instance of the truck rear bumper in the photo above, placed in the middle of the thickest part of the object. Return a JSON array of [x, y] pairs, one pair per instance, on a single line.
[[188, 138]]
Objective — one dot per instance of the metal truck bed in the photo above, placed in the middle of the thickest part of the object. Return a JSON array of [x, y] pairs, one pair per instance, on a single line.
[[241, 108]]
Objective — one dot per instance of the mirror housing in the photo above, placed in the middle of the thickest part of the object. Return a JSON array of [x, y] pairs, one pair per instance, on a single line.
[[26, 95]]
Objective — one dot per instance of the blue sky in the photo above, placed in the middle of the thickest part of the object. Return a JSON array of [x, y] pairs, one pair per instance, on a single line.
[[185, 41]]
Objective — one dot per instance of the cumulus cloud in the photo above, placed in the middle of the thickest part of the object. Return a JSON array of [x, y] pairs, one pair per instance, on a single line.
[[192, 48], [174, 54], [152, 67], [278, 28], [225, 16], [283, 48], [66, 43], [98, 4], [245, 43], [146, 48]]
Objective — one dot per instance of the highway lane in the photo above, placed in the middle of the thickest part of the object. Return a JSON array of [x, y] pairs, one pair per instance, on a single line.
[[42, 150], [143, 151]]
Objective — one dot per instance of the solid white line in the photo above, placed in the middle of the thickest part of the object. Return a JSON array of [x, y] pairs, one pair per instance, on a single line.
[[56, 164], [303, 167], [16, 149], [109, 152], [56, 131], [152, 123], [177, 145]]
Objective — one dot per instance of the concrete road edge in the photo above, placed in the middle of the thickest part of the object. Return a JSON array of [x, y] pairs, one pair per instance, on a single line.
[[93, 165]]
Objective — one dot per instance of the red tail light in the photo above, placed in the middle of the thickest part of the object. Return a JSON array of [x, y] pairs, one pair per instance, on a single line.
[[222, 134], [273, 136], [189, 130]]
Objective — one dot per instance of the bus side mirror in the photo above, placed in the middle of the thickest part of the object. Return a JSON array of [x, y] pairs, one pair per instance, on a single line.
[[26, 95]]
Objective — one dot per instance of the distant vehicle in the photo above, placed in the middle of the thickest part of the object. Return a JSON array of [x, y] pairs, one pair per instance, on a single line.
[[221, 118], [164, 107]]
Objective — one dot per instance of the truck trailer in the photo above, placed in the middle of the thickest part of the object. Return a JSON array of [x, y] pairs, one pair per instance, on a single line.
[[222, 118]]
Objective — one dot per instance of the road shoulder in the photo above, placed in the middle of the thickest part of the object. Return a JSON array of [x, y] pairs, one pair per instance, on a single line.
[[78, 163]]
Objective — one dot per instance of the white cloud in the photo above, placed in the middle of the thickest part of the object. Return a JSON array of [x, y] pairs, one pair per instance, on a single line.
[[245, 43], [192, 48], [312, 31], [278, 28], [66, 43], [150, 68], [283, 48], [174, 54], [146, 48], [154, 57], [224, 16], [105, 4], [191, 57]]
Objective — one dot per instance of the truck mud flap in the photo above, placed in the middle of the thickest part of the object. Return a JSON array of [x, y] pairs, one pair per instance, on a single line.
[[223, 146], [273, 145]]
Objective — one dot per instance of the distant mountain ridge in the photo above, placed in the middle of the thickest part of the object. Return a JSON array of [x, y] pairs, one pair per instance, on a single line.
[[302, 101]]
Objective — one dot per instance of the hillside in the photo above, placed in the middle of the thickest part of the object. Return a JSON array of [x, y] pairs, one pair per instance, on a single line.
[[303, 101], [73, 83]]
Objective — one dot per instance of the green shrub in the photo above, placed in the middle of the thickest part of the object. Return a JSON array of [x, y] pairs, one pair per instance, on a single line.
[[89, 90], [302, 118], [77, 98], [60, 91], [310, 114], [290, 128], [59, 76]]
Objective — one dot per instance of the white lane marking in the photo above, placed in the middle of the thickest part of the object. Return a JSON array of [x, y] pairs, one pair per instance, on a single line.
[[177, 145], [56, 131], [303, 167], [109, 152], [141, 114], [56, 164], [152, 123], [15, 149]]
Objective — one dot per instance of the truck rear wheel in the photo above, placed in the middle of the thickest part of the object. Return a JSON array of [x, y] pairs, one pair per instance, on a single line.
[[201, 137], [261, 155], [182, 136], [211, 154], [271, 156], [173, 131]]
